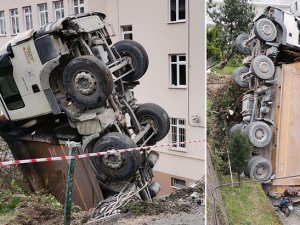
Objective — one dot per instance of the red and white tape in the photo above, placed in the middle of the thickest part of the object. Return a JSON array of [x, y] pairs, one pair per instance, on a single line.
[[88, 155]]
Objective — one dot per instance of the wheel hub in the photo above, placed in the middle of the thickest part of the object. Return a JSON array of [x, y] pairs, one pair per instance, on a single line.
[[266, 29], [259, 134], [85, 83], [261, 170], [113, 161], [264, 67]]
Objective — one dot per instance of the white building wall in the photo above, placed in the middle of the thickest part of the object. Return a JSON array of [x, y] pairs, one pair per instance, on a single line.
[[151, 27]]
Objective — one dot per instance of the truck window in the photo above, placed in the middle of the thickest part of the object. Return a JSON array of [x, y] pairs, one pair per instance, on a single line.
[[8, 88]]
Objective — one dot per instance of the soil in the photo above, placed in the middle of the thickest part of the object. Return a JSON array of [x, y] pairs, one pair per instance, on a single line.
[[183, 207]]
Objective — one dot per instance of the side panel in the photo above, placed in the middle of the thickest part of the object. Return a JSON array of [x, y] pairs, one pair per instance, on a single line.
[[288, 141]]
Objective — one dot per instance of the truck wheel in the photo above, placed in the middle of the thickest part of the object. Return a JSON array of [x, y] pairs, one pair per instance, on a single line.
[[259, 133], [157, 117], [261, 169], [235, 128], [262, 67], [240, 44], [133, 52], [88, 81], [237, 77], [119, 166], [253, 159], [265, 29]]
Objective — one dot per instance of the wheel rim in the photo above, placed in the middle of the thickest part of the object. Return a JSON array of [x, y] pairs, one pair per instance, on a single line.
[[260, 134], [261, 172], [266, 29], [149, 119], [264, 67], [85, 83], [114, 162]]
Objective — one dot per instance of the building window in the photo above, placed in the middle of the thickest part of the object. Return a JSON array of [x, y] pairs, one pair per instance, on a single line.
[[27, 17], [43, 14], [2, 23], [126, 32], [14, 21], [78, 6], [177, 183], [59, 10], [178, 135], [177, 10], [178, 70]]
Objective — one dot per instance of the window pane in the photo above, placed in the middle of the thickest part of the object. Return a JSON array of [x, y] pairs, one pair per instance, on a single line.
[[173, 58], [75, 2], [76, 10], [173, 10], [182, 58], [81, 1], [174, 74], [181, 9], [81, 10], [127, 28], [128, 36], [182, 74]]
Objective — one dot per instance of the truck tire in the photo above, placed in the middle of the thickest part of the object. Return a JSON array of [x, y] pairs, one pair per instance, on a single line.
[[240, 44], [237, 77], [265, 29], [262, 67], [259, 133], [116, 167], [137, 55], [88, 81], [157, 117], [235, 128], [252, 159], [260, 169]]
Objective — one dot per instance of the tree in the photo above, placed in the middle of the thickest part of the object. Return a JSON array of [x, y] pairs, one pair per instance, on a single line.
[[231, 17], [213, 51], [239, 152]]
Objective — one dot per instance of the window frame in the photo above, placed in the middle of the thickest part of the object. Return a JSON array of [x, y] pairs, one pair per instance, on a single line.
[[178, 63], [14, 21], [123, 33], [60, 9], [177, 127], [177, 20], [2, 20], [27, 15], [178, 186], [45, 12], [79, 6]]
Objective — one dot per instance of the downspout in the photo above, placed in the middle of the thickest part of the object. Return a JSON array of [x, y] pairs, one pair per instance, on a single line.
[[188, 87]]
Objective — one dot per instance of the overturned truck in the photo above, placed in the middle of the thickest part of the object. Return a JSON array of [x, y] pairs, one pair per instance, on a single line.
[[270, 107], [67, 82]]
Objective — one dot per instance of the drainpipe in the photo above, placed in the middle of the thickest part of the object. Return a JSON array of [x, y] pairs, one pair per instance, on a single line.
[[188, 87]]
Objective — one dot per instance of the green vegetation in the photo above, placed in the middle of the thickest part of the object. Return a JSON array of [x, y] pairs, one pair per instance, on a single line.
[[240, 149], [9, 205], [247, 204], [231, 17]]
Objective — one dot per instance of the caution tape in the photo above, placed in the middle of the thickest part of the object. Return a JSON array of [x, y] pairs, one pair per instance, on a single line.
[[88, 155]]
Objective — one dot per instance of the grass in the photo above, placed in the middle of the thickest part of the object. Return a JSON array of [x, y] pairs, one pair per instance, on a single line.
[[247, 204], [228, 69], [9, 206]]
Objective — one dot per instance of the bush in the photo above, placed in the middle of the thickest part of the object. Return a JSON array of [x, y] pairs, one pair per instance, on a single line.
[[240, 150]]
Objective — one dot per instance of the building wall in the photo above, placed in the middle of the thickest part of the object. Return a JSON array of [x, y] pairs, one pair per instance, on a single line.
[[151, 27]]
